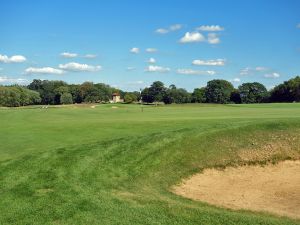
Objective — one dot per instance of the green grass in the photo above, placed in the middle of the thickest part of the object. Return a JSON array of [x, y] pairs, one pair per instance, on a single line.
[[78, 165]]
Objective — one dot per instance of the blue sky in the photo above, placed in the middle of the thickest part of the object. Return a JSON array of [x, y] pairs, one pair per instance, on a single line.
[[129, 44]]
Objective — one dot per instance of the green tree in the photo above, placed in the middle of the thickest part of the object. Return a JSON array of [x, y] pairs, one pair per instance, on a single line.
[[75, 92], [235, 96], [198, 95], [130, 97], [66, 98], [218, 91], [59, 92], [147, 96], [89, 92], [253, 92], [288, 91], [176, 95], [157, 90], [49, 90], [13, 96]]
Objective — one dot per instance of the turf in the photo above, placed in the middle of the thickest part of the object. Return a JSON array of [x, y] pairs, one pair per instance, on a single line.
[[104, 165]]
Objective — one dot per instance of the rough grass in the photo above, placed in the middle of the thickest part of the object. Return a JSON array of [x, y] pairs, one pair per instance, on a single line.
[[73, 165]]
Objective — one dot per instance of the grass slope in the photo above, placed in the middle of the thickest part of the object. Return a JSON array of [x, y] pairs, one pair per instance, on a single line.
[[78, 165]]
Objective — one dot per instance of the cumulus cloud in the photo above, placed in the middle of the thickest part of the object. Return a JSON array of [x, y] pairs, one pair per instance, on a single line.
[[217, 62], [195, 72], [272, 75], [68, 55], [43, 70], [169, 29], [191, 37], [158, 69], [135, 50], [7, 80], [212, 28], [90, 56], [151, 60], [151, 50], [12, 59], [77, 67], [213, 38]]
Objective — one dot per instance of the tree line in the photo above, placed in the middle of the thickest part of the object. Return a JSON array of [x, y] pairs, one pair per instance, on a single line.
[[216, 91], [223, 92]]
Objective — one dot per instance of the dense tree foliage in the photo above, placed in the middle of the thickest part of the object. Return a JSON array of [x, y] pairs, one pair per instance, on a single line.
[[253, 93], [198, 95], [52, 92], [155, 93], [176, 95], [289, 91], [218, 91], [130, 97], [66, 98], [18, 96], [235, 96]]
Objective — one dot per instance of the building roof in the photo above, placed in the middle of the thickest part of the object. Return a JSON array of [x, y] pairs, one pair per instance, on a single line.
[[116, 94]]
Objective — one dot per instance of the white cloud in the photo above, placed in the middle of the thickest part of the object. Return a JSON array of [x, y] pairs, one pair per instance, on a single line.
[[260, 68], [135, 82], [90, 56], [169, 29], [151, 60], [175, 27], [135, 50], [213, 38], [236, 80], [151, 50], [77, 67], [191, 37], [210, 28], [195, 72], [68, 55], [12, 59], [130, 68], [5, 79], [162, 31], [158, 69], [217, 62], [272, 75], [245, 71], [43, 70], [249, 70]]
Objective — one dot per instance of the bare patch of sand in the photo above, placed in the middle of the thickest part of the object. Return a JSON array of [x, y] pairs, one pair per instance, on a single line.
[[114, 107], [93, 106], [271, 188]]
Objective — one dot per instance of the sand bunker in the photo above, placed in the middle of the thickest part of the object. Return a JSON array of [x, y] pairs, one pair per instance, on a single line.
[[272, 188]]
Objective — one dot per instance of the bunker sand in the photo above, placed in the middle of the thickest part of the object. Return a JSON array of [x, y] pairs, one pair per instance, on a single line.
[[271, 188]]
